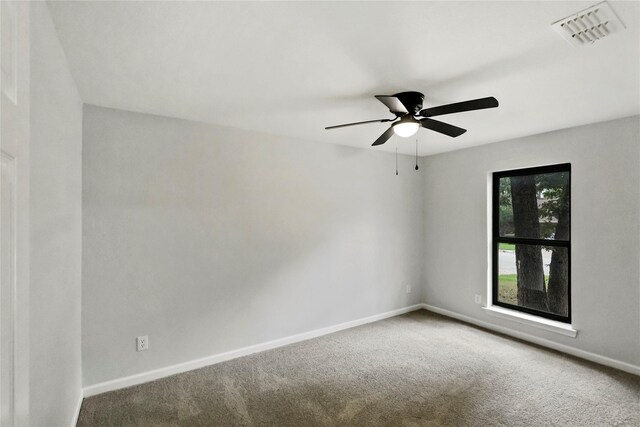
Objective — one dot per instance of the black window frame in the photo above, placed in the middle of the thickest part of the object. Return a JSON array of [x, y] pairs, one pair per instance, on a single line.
[[497, 239]]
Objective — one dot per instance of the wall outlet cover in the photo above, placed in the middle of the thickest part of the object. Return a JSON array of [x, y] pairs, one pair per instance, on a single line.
[[142, 343], [478, 299]]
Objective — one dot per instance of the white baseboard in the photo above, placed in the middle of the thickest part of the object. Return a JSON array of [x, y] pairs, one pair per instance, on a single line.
[[221, 357], [603, 360], [76, 414], [155, 374]]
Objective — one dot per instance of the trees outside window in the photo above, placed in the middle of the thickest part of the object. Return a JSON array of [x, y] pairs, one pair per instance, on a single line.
[[531, 240]]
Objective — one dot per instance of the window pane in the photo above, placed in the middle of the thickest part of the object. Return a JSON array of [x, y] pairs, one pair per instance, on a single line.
[[534, 206], [534, 277]]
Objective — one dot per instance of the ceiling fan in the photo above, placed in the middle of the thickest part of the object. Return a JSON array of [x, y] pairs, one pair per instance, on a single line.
[[407, 107]]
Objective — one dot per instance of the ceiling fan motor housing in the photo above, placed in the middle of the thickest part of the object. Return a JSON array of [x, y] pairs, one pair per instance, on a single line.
[[411, 100]]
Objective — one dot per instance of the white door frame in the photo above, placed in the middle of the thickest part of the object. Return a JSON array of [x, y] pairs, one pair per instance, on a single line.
[[8, 288], [14, 148]]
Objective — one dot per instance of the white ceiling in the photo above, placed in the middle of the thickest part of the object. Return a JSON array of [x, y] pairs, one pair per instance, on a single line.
[[292, 68]]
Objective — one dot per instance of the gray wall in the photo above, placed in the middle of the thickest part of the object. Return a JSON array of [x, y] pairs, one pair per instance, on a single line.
[[56, 229], [209, 239], [605, 273]]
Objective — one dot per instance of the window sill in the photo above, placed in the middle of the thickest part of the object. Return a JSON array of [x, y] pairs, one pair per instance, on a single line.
[[535, 321]]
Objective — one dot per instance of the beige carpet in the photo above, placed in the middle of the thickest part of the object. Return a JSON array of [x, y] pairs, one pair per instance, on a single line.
[[419, 369]]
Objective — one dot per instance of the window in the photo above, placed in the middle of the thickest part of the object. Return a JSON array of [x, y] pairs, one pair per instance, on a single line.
[[531, 241]]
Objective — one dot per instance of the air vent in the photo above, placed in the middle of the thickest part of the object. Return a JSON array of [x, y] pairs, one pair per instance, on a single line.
[[587, 26]]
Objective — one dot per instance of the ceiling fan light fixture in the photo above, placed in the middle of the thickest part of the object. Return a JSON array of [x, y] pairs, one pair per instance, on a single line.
[[406, 129]]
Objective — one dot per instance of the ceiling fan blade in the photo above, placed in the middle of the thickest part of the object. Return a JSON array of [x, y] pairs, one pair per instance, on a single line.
[[359, 123], [459, 107], [384, 137], [441, 127], [393, 104]]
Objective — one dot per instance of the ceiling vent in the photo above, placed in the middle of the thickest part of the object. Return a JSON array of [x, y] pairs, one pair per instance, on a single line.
[[587, 26]]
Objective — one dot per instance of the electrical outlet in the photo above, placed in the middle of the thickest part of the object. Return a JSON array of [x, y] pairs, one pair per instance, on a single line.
[[142, 343], [408, 289], [478, 299]]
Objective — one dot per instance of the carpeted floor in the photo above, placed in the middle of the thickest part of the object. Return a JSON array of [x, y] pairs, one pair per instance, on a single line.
[[419, 369]]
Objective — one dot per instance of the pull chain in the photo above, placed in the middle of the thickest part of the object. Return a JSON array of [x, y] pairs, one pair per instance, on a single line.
[[417, 153], [396, 159]]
